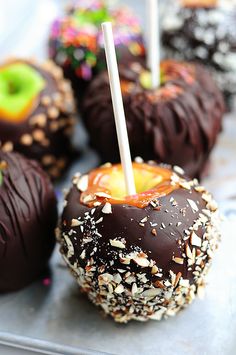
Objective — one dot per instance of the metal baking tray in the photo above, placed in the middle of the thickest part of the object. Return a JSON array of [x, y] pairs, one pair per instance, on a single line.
[[52, 317]]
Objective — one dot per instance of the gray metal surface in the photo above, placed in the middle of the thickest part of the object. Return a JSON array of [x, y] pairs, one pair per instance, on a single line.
[[16, 344], [56, 319]]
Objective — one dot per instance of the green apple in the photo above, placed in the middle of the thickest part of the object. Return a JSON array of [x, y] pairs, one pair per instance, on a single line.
[[95, 17], [145, 79], [19, 85]]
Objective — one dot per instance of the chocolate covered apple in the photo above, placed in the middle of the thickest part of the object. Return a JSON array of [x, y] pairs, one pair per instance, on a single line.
[[177, 123], [76, 42], [204, 31], [28, 216], [143, 256], [36, 113]]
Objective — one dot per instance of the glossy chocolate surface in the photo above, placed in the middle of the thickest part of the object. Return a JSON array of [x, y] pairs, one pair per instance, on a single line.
[[170, 217], [28, 216], [124, 221]]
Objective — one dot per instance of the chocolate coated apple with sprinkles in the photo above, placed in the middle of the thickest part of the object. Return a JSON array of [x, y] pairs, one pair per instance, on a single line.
[[143, 256], [36, 113]]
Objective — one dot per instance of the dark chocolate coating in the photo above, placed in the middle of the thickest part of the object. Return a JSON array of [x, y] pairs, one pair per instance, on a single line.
[[53, 150], [124, 222], [28, 216], [180, 130], [205, 35], [140, 263]]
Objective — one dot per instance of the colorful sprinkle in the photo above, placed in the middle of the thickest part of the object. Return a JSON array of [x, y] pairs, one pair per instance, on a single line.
[[76, 38]]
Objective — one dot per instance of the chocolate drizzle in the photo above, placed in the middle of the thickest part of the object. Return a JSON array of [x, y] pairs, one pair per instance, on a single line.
[[28, 216], [177, 124]]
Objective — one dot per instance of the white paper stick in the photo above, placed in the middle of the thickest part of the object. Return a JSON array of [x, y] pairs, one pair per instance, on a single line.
[[153, 42], [118, 108]]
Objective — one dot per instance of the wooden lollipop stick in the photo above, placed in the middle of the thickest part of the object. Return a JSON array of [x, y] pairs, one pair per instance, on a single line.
[[118, 108], [153, 40]]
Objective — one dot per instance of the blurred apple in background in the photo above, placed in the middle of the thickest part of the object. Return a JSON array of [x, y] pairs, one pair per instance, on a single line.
[[24, 24]]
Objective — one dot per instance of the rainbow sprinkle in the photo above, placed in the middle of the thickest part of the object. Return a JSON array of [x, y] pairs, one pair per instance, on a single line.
[[76, 39]]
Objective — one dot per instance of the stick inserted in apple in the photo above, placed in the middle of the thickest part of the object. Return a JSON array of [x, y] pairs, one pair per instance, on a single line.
[[118, 108]]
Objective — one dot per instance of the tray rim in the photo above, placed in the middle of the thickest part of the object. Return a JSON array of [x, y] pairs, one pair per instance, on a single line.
[[16, 341]]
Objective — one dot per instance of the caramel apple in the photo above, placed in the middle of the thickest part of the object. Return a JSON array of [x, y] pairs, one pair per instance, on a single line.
[[28, 216], [76, 42], [204, 31], [177, 123], [143, 256], [36, 113]]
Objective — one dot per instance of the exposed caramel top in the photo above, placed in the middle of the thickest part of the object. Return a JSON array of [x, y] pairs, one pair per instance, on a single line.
[[19, 116], [107, 184], [199, 3], [171, 71]]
